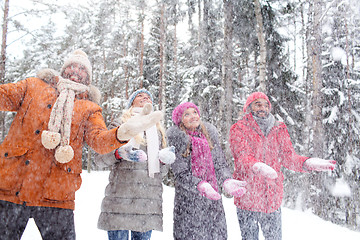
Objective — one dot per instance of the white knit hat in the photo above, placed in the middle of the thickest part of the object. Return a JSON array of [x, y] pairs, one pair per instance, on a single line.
[[80, 57]]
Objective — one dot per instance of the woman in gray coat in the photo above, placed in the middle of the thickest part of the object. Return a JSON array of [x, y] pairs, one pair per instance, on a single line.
[[200, 169], [133, 197]]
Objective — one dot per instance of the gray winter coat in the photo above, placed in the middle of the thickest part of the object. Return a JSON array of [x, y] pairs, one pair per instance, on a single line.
[[195, 216], [133, 200]]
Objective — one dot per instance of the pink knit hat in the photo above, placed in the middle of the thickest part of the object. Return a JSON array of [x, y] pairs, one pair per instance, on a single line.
[[253, 97], [180, 109]]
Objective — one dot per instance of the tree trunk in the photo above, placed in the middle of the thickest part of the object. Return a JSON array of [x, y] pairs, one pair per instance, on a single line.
[[262, 44], [306, 76], [141, 60], [3, 61], [89, 160], [226, 103], [126, 67], [317, 81], [318, 132], [126, 73], [307, 99], [175, 52], [200, 23], [162, 57], [3, 43]]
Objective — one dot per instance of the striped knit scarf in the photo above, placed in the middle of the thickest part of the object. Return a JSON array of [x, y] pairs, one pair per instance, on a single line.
[[60, 120]]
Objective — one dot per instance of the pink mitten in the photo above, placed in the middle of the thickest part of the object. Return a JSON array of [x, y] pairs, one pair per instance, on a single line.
[[234, 187], [208, 191], [318, 164], [265, 170]]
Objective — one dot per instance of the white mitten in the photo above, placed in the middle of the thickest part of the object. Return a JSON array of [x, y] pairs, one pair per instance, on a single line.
[[234, 187], [139, 123], [167, 155], [265, 170], [318, 164], [208, 191]]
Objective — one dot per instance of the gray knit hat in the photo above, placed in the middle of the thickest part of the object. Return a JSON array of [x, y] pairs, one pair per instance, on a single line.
[[80, 57], [134, 94]]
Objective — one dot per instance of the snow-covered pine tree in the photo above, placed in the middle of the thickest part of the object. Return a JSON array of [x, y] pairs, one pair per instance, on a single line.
[[341, 111]]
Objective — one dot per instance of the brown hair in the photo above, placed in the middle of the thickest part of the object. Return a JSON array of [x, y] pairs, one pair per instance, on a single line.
[[203, 130]]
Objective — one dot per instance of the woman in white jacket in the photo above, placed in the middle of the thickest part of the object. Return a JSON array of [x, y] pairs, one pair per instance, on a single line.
[[133, 197]]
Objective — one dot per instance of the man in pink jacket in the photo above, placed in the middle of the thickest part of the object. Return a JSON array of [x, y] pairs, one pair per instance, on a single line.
[[261, 146]]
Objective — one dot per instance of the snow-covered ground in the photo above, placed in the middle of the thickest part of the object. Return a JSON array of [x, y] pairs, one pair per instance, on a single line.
[[297, 225]]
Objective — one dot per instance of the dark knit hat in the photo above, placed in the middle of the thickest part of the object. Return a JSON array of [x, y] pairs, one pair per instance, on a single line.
[[134, 94], [180, 109], [253, 97]]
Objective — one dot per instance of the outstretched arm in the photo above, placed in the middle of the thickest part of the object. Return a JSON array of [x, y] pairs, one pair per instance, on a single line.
[[288, 157], [12, 95], [139, 123], [97, 133], [318, 164]]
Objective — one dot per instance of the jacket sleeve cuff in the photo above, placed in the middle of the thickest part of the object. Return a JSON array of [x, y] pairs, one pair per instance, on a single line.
[[117, 156], [116, 136]]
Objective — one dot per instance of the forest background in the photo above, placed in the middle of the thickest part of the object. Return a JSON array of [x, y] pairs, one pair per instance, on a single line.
[[304, 54]]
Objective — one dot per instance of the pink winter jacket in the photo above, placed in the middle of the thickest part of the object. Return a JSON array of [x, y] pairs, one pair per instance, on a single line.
[[249, 146]]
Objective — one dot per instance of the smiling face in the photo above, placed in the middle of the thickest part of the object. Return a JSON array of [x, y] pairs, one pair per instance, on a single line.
[[191, 119], [77, 73], [141, 99], [260, 108]]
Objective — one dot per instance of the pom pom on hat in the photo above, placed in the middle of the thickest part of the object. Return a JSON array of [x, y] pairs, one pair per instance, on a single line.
[[79, 57], [253, 97], [180, 109], [134, 94]]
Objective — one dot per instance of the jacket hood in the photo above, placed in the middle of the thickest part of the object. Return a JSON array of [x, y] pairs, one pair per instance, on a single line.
[[49, 75]]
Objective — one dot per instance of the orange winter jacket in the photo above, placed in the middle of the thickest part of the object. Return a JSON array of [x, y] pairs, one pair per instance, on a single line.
[[29, 173]]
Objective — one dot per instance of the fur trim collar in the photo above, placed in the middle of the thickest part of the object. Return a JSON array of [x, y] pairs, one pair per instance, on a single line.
[[48, 75]]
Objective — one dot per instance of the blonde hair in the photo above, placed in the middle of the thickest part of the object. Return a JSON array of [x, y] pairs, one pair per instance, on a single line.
[[203, 130], [138, 138]]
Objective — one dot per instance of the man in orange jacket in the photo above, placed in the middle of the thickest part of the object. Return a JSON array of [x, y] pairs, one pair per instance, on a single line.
[[40, 158]]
